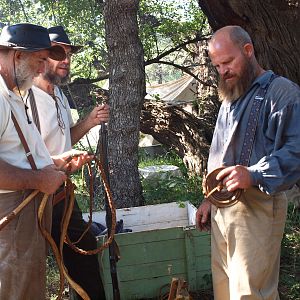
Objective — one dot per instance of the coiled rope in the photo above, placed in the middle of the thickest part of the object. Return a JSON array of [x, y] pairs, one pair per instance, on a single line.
[[216, 193]]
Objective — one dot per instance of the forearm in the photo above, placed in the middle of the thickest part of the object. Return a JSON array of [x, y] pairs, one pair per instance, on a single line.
[[79, 130], [14, 179]]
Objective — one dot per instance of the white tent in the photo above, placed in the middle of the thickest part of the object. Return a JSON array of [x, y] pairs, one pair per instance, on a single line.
[[180, 91]]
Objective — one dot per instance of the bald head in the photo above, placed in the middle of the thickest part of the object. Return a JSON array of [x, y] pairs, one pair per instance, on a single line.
[[236, 34]]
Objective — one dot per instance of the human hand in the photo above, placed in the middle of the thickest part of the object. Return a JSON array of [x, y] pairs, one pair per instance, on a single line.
[[235, 177], [71, 161], [203, 216], [49, 179], [99, 114]]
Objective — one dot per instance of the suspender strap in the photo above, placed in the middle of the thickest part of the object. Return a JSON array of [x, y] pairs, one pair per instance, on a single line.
[[24, 143], [34, 111], [252, 123]]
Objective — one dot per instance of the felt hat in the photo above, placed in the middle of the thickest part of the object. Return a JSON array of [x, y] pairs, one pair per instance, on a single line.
[[30, 38], [58, 35]]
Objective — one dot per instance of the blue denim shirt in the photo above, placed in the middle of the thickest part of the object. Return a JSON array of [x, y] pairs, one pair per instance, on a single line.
[[275, 159]]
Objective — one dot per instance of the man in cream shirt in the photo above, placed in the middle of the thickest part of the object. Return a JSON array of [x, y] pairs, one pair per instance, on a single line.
[[23, 51]]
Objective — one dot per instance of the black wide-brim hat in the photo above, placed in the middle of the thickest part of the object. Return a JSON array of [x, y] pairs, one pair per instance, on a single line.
[[30, 38], [58, 35]]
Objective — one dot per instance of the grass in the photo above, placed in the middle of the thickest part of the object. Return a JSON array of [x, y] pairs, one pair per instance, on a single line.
[[289, 283], [184, 188], [167, 187]]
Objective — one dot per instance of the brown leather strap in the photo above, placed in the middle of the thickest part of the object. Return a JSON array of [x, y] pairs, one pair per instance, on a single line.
[[24, 143], [59, 196], [34, 111]]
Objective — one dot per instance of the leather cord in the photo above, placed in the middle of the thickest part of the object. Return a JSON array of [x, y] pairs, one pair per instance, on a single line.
[[216, 193]]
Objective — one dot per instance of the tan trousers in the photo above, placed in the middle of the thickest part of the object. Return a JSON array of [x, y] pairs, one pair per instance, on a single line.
[[23, 250], [246, 241]]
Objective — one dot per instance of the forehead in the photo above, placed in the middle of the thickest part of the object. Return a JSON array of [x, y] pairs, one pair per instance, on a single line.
[[42, 54], [220, 47]]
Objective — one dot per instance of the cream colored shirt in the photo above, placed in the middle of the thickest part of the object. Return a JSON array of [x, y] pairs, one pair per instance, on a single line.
[[11, 148], [57, 139]]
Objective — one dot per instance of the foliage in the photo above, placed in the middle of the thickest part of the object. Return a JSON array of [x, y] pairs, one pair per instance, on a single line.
[[163, 24], [165, 189]]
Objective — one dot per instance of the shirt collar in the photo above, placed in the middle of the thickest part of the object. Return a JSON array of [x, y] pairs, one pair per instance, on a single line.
[[263, 79]]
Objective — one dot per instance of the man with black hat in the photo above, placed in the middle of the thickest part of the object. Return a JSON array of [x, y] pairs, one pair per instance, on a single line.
[[24, 49], [60, 133]]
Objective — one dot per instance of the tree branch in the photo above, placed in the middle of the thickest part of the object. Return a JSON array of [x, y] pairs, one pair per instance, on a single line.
[[164, 54], [187, 71]]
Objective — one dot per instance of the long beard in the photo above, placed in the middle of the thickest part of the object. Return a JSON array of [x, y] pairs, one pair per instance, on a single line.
[[231, 93], [24, 75], [52, 77]]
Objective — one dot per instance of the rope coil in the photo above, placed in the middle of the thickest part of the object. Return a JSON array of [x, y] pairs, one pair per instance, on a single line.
[[216, 193]]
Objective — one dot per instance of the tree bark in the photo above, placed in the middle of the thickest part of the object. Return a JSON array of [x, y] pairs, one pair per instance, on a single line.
[[126, 94], [273, 25], [174, 127]]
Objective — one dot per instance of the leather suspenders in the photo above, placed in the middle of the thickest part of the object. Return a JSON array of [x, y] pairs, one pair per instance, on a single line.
[[24, 143], [252, 123]]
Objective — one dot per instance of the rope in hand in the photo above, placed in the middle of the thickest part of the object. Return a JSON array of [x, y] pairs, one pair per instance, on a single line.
[[64, 236], [58, 253], [216, 193]]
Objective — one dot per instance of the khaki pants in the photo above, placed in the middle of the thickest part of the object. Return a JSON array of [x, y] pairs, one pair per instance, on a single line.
[[23, 250], [246, 240]]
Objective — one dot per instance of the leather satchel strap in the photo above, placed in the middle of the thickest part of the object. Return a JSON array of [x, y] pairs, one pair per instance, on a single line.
[[24, 143], [252, 124]]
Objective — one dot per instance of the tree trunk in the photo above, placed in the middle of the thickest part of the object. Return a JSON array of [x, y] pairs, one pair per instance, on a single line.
[[126, 94], [189, 136], [273, 25]]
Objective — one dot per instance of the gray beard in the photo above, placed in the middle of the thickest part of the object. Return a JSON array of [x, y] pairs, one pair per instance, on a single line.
[[23, 76], [231, 94]]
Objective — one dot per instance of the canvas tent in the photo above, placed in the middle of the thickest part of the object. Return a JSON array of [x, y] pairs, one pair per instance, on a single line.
[[176, 92]]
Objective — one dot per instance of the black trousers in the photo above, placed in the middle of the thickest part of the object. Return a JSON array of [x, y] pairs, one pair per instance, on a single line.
[[84, 269]]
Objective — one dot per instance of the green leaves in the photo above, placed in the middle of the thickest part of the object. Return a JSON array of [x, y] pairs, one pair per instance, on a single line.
[[162, 25]]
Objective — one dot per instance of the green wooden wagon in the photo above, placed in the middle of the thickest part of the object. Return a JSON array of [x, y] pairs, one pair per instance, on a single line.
[[163, 244]]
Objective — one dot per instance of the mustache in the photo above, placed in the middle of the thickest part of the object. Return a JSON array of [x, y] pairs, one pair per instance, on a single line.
[[227, 75]]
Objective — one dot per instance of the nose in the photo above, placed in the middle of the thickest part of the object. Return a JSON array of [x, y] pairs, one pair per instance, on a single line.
[[223, 70], [67, 59], [41, 66]]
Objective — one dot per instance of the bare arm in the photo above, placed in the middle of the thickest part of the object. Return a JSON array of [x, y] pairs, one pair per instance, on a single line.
[[99, 114], [47, 180]]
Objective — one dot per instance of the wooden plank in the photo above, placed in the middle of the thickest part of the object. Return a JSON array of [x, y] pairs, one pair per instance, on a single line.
[[149, 252], [203, 262], [147, 217], [153, 270], [141, 289], [190, 259], [146, 237]]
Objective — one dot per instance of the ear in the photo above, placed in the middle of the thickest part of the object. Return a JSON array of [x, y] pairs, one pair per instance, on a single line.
[[248, 50], [18, 54]]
